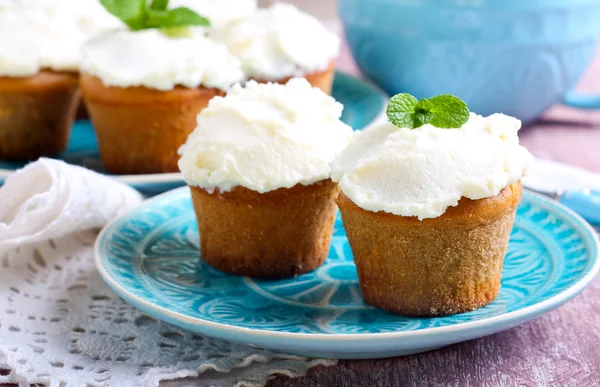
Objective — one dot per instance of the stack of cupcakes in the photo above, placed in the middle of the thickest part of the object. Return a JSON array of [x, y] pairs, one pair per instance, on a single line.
[[428, 209], [428, 201], [145, 88], [144, 84]]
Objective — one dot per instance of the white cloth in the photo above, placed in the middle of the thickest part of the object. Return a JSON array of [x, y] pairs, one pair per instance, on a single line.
[[60, 325], [50, 199]]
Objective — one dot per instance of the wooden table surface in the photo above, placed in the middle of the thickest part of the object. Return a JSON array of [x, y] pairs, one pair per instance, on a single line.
[[561, 348]]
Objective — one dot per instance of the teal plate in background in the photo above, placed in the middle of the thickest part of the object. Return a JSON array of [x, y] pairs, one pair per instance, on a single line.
[[150, 257], [364, 104]]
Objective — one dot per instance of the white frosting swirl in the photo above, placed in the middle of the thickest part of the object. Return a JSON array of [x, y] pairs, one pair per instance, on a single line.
[[422, 172], [89, 16], [220, 12], [280, 42], [38, 34], [264, 137], [152, 59]]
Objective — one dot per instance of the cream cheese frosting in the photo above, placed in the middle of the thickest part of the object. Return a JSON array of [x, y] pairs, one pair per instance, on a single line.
[[48, 34], [90, 16], [152, 59], [264, 137], [422, 172], [30, 42], [220, 12], [280, 42]]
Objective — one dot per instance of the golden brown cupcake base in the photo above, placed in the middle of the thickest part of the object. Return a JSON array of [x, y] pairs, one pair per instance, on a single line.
[[140, 129], [440, 266], [36, 114], [321, 79], [277, 234]]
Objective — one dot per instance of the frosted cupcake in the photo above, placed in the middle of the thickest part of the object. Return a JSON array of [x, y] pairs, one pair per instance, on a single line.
[[39, 64], [258, 168], [428, 212], [280, 42], [76, 20], [144, 90]]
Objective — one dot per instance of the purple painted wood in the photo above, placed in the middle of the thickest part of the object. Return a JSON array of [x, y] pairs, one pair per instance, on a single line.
[[561, 348]]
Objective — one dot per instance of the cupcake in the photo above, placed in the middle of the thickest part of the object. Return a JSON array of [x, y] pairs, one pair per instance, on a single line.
[[44, 36], [144, 90], [258, 166], [428, 212], [39, 63], [277, 43]]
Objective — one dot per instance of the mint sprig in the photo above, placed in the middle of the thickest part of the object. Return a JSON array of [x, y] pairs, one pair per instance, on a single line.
[[442, 111], [159, 5], [138, 15]]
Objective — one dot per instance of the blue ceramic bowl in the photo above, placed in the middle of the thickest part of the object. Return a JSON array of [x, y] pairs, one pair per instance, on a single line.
[[512, 56]]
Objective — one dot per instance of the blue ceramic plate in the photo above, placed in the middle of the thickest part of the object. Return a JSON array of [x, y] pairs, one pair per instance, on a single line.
[[364, 104], [150, 257]]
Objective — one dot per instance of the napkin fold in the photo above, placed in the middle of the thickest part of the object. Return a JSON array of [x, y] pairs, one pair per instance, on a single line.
[[49, 199]]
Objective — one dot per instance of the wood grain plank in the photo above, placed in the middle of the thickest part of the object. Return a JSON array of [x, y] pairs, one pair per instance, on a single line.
[[561, 348]]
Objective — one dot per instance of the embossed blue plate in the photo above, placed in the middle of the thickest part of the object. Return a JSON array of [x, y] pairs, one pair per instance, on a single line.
[[151, 259], [364, 104]]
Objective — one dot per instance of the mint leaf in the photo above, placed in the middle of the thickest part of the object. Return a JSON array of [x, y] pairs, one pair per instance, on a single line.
[[155, 18], [183, 17], [131, 12], [422, 114], [401, 109], [138, 15], [442, 111], [448, 111], [159, 5]]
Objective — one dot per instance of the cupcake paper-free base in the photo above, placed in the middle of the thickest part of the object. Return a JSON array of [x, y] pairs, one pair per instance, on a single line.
[[277, 234], [36, 114], [139, 129], [439, 266]]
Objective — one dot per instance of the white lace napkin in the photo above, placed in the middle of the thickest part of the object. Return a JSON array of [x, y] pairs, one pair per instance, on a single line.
[[50, 199], [61, 326]]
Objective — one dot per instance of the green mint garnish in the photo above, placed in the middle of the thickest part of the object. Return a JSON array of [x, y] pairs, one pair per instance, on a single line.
[[138, 15], [159, 5], [183, 17], [443, 111]]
